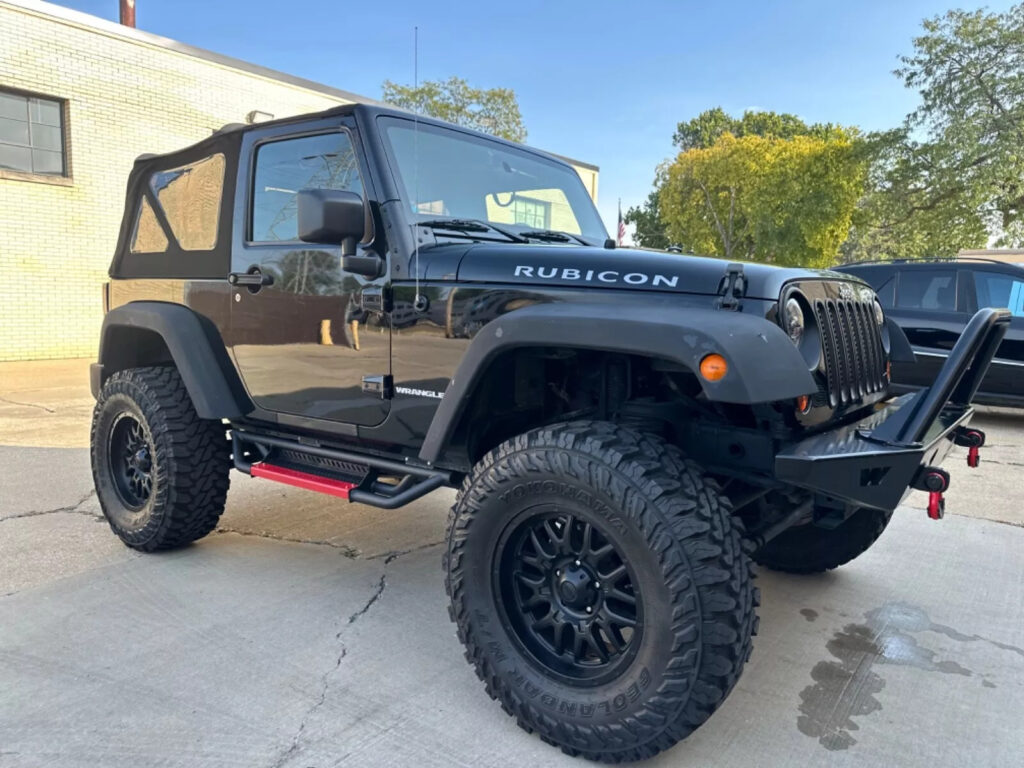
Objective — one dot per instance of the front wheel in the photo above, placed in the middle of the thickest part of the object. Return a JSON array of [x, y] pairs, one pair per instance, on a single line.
[[599, 585]]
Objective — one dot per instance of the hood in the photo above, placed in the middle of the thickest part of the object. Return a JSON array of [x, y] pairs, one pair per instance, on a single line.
[[622, 268]]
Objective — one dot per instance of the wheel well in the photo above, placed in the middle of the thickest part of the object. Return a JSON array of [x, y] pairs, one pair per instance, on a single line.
[[126, 346], [526, 388]]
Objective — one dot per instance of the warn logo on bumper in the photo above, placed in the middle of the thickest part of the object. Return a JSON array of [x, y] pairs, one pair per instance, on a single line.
[[597, 276]]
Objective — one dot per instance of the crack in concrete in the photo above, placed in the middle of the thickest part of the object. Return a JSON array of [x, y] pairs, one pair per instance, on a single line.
[[70, 509], [27, 405], [369, 603], [295, 747], [392, 555], [986, 460], [350, 552]]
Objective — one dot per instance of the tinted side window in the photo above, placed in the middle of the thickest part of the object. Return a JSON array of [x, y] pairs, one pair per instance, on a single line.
[[995, 290], [933, 290], [324, 161]]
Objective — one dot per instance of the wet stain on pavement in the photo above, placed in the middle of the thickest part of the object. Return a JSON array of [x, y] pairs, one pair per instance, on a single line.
[[846, 686], [809, 613]]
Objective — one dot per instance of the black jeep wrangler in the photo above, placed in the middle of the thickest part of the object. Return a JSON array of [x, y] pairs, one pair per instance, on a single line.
[[373, 305]]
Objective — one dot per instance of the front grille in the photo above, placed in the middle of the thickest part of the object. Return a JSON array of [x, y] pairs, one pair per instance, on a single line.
[[852, 348]]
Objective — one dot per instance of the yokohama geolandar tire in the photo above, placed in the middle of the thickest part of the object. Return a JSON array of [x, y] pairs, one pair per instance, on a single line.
[[600, 588], [161, 472], [812, 549]]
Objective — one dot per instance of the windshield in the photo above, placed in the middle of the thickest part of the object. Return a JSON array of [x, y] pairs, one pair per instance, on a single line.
[[448, 173]]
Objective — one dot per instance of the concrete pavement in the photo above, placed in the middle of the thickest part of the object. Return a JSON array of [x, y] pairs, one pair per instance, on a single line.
[[310, 632]]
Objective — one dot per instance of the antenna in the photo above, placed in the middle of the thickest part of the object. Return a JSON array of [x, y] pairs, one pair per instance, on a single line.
[[417, 301]]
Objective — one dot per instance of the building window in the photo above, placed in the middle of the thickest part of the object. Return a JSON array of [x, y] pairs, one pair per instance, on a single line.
[[535, 214], [322, 161], [32, 134]]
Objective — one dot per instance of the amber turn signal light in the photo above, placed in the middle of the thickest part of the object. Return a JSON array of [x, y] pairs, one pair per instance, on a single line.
[[713, 367], [803, 403]]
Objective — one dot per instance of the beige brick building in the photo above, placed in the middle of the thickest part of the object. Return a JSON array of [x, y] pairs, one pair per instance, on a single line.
[[80, 98]]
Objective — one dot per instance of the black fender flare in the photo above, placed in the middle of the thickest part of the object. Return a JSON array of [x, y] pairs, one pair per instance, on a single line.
[[764, 365], [195, 347]]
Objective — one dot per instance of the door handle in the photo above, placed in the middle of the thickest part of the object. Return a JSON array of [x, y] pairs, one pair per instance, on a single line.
[[254, 279]]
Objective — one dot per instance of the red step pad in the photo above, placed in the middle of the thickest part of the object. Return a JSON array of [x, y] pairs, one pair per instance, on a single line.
[[302, 479]]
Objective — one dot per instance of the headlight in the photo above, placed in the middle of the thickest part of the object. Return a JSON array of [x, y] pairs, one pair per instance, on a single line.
[[793, 320], [879, 314]]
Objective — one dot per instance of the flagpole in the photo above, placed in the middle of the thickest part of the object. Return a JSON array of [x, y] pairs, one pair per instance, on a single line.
[[620, 231]]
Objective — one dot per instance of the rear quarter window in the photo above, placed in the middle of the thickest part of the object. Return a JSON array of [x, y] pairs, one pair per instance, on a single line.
[[999, 290], [189, 199]]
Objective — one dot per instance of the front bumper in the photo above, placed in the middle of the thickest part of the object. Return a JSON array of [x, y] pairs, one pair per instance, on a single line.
[[876, 461]]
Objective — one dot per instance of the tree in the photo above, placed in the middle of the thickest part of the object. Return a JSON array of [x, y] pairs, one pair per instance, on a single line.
[[952, 176], [903, 214], [969, 69], [705, 129], [781, 201], [701, 133], [493, 110]]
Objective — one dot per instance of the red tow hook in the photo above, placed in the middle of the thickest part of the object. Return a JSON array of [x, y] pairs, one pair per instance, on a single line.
[[936, 482], [973, 456], [972, 439]]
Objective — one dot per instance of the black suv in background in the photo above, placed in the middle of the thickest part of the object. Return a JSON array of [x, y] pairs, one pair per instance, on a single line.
[[932, 301]]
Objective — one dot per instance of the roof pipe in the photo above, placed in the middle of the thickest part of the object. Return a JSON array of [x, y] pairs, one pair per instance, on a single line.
[[128, 13]]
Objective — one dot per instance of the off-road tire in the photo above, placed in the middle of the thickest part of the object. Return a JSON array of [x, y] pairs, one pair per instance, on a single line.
[[676, 531], [189, 466], [813, 549]]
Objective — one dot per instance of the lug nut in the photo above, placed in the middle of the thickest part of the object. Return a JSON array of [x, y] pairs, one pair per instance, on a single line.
[[590, 608], [557, 572], [597, 585], [577, 562]]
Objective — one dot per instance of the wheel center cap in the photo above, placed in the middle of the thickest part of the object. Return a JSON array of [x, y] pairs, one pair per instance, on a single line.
[[575, 587]]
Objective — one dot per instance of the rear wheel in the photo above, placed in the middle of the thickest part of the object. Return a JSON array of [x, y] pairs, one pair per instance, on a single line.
[[812, 549], [599, 585], [161, 472]]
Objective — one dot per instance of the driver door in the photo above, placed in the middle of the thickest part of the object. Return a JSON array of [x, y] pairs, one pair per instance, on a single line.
[[306, 339]]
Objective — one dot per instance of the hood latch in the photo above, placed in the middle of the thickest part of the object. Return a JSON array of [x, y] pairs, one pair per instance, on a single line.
[[732, 288]]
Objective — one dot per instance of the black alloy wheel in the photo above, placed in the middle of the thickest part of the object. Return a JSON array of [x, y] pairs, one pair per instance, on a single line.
[[130, 453], [569, 596]]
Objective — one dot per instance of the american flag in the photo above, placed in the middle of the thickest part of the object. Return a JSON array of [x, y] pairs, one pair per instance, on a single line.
[[622, 226]]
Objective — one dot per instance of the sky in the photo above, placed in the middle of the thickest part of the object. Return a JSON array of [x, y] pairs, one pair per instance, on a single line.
[[602, 82]]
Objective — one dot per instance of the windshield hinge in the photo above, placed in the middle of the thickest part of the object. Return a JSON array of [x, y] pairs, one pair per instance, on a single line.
[[732, 288]]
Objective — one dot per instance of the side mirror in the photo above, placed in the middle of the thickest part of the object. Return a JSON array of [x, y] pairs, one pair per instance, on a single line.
[[333, 217]]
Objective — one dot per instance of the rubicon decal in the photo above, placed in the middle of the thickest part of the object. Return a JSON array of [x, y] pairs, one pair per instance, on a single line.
[[597, 276]]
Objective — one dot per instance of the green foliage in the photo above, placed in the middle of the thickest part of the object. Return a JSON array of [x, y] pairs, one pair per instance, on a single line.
[[648, 229], [969, 69], [492, 110], [776, 200], [704, 130], [908, 210]]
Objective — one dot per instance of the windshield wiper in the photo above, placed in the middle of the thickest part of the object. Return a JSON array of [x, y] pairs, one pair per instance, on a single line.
[[469, 225], [553, 236]]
